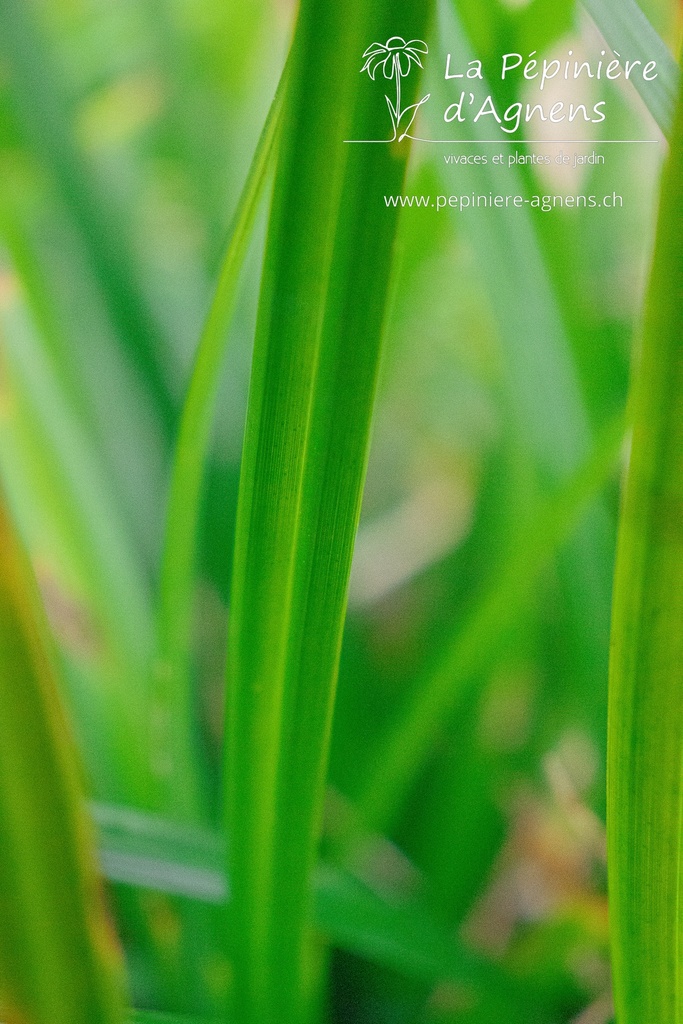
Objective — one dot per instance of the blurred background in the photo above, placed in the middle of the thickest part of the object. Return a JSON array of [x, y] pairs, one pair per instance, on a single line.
[[480, 593]]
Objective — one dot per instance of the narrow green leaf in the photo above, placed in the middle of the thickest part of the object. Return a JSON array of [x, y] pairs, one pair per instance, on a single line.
[[73, 523], [627, 30], [47, 120], [172, 705], [326, 274], [541, 378], [540, 375], [59, 963], [147, 851], [56, 447], [645, 752], [150, 852], [409, 739], [82, 355], [397, 935]]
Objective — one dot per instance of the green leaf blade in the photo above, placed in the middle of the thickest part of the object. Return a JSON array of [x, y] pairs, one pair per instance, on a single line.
[[403, 750], [47, 120], [628, 31], [645, 752], [147, 851], [172, 705], [59, 962], [313, 381]]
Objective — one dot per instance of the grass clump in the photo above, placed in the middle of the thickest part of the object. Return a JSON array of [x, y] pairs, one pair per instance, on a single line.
[[344, 742]]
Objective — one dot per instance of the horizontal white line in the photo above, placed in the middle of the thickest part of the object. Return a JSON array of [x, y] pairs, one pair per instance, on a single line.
[[509, 142]]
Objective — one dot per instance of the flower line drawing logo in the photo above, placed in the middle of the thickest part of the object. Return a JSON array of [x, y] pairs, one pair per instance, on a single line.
[[396, 58]]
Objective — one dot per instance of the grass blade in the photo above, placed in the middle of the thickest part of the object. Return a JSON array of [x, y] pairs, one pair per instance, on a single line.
[[83, 354], [627, 30], [172, 741], [64, 500], [47, 121], [313, 381], [144, 850], [645, 750], [540, 372], [541, 378], [409, 740], [150, 852], [59, 963], [63, 455], [397, 935]]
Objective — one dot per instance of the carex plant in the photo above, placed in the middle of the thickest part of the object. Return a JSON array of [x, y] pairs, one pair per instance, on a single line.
[[227, 904]]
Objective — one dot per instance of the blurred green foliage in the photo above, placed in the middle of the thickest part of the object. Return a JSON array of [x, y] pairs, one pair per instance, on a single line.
[[472, 888]]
